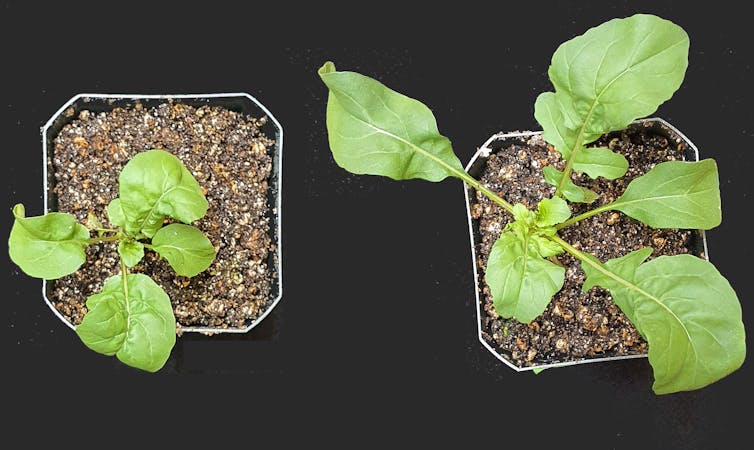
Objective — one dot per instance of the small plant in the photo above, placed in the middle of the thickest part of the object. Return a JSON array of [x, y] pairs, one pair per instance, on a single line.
[[131, 317], [605, 79]]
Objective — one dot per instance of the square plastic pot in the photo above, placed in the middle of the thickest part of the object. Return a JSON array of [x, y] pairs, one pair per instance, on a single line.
[[502, 141], [239, 102]]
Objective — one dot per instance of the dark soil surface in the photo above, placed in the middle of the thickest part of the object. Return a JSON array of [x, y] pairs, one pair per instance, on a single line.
[[230, 158], [576, 325]]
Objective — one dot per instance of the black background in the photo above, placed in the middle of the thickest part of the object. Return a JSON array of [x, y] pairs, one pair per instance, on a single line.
[[375, 337]]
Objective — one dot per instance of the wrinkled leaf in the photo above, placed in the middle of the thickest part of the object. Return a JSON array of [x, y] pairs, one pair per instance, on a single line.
[[155, 184], [115, 213], [375, 130], [687, 312], [131, 252], [552, 211], [571, 191], [137, 327], [187, 249], [521, 281], [49, 246], [600, 162], [674, 194], [545, 247]]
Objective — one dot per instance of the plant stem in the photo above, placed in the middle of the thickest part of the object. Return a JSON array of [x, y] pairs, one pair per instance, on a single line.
[[585, 215], [468, 179], [576, 146], [124, 277], [455, 172]]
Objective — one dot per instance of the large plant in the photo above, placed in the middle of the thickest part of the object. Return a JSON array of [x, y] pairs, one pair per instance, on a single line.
[[604, 79]]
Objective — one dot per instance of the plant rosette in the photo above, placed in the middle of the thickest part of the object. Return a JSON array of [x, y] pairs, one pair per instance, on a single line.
[[162, 216], [576, 327], [679, 304]]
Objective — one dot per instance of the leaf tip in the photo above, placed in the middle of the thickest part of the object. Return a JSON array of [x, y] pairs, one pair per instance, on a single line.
[[19, 212], [327, 67]]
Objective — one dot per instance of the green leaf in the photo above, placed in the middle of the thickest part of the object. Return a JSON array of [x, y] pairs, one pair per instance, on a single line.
[[560, 121], [131, 252], [186, 248], [552, 211], [375, 130], [537, 371], [115, 213], [521, 282], [49, 246], [92, 222], [674, 194], [134, 323], [619, 71], [687, 312], [571, 191], [600, 162], [155, 184], [624, 267], [545, 247]]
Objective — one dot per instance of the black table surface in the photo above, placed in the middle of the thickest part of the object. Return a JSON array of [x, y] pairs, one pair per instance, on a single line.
[[377, 323]]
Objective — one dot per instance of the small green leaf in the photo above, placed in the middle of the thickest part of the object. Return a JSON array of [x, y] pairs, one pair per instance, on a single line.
[[92, 222], [115, 213], [186, 248], [687, 312], [552, 211], [134, 323], [545, 247], [521, 282], [131, 252], [375, 130], [551, 110], [674, 194], [49, 246], [571, 191], [537, 371], [600, 162], [155, 184]]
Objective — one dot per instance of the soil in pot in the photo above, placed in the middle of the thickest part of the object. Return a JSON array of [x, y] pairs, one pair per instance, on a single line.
[[575, 325], [230, 158]]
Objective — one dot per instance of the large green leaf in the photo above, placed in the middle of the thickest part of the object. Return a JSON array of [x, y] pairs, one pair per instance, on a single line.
[[134, 322], [520, 280], [155, 184], [685, 309], [49, 246], [186, 248], [674, 194], [611, 75], [375, 130]]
